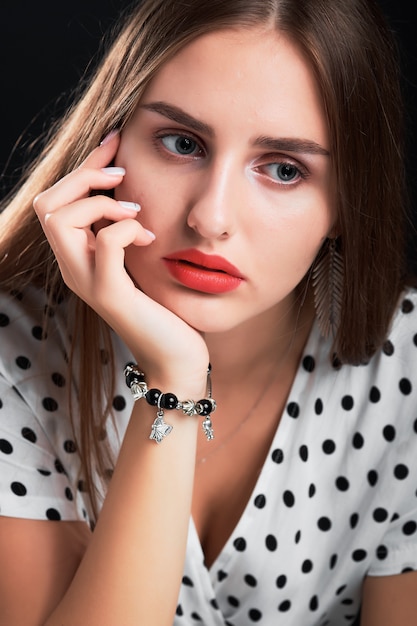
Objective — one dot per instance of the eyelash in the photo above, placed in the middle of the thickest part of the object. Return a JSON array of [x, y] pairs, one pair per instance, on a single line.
[[301, 173]]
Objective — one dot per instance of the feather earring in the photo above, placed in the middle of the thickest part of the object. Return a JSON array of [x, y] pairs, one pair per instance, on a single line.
[[328, 287]]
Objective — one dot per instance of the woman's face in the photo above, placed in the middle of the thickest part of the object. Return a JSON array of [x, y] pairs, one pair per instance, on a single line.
[[227, 153]]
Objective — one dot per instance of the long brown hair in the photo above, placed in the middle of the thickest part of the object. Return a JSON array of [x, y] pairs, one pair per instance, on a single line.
[[354, 59]]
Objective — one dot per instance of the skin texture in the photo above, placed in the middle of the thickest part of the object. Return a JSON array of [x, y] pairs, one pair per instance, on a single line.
[[224, 198]]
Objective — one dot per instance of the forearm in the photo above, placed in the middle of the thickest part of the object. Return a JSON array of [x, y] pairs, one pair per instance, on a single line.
[[132, 570]]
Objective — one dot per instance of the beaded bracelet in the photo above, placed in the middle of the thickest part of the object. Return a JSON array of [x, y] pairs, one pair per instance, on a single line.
[[135, 380]]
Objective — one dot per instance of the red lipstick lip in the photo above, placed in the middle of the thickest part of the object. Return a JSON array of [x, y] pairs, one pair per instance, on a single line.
[[205, 261], [207, 273]]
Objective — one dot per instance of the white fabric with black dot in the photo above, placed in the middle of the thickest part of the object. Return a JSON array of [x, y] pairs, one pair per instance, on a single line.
[[336, 498]]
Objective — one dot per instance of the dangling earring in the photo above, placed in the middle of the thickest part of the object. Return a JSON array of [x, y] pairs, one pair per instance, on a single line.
[[328, 287]]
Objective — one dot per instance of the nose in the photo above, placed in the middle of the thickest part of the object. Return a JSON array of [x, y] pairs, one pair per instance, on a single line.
[[215, 205]]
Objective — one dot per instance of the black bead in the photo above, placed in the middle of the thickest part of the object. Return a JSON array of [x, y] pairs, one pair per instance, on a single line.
[[131, 378], [152, 396], [206, 407], [169, 401]]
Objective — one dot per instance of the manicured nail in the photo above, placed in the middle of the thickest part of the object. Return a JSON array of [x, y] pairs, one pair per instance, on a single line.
[[150, 233], [109, 137], [134, 206], [114, 171]]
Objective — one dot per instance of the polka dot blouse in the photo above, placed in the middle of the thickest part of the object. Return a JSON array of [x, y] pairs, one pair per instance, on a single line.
[[336, 498]]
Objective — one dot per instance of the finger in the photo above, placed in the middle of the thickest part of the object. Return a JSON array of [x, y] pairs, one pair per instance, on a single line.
[[92, 174], [87, 211]]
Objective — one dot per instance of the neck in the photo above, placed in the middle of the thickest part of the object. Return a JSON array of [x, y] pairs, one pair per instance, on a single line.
[[276, 337]]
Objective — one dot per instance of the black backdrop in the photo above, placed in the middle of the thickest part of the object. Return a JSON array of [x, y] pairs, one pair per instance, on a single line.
[[46, 46]]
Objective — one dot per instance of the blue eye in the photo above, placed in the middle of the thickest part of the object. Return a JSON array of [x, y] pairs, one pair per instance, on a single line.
[[283, 172], [181, 144]]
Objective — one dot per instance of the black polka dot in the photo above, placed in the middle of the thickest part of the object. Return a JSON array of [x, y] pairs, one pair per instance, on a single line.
[[303, 453], [53, 515], [333, 561], [374, 395], [297, 537], [240, 544], [353, 520], [318, 406], [233, 601], [82, 486], [324, 523], [255, 615], [314, 603], [59, 467], [400, 471], [289, 498], [196, 617], [309, 363], [381, 552], [340, 590], [336, 362], [58, 379], [23, 362], [407, 306], [347, 403], [281, 581], [358, 441], [49, 404], [388, 348], [69, 446], [271, 543], [44, 472], [293, 409], [329, 446], [405, 386], [29, 435], [260, 501], [342, 483], [250, 580], [221, 575], [409, 528], [214, 604], [4, 320], [359, 555], [5, 446], [277, 456], [306, 566], [380, 515], [18, 489], [186, 580], [311, 490], [68, 494], [39, 333], [389, 432], [372, 478], [179, 611], [284, 606], [119, 403]]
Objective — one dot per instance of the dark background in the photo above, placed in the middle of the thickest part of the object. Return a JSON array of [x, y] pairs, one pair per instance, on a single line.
[[46, 47]]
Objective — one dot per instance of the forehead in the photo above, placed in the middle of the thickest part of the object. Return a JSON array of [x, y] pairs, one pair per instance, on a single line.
[[252, 77]]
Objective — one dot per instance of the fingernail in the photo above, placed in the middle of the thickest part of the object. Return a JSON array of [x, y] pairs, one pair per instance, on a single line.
[[114, 171], [130, 205], [109, 137], [150, 233]]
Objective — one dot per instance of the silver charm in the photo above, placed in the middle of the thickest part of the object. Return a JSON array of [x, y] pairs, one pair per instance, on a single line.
[[208, 428], [138, 390], [160, 429]]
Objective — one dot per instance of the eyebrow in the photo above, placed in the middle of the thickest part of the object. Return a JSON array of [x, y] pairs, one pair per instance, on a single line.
[[286, 144]]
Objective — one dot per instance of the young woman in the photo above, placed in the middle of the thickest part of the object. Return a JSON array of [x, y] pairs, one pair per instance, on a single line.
[[228, 191]]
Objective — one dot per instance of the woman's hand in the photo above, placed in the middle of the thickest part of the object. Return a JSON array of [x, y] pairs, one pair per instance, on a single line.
[[91, 261]]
